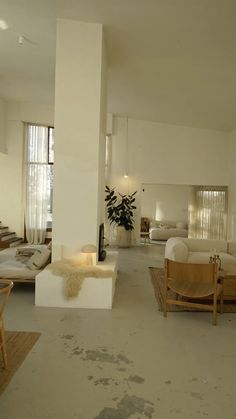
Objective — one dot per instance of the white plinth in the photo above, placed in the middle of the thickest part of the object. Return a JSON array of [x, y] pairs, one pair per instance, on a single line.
[[94, 293]]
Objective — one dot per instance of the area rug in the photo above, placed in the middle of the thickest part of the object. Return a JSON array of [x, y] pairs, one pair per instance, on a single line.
[[18, 346], [157, 278]]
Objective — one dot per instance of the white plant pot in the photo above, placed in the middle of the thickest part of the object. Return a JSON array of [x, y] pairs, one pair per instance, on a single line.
[[123, 237]]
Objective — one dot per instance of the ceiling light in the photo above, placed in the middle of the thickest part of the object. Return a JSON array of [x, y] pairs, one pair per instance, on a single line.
[[3, 25]]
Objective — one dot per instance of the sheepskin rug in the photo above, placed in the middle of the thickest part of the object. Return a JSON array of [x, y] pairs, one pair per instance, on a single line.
[[74, 275]]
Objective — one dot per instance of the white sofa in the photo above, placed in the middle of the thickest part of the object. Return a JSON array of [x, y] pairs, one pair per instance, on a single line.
[[160, 230], [199, 250]]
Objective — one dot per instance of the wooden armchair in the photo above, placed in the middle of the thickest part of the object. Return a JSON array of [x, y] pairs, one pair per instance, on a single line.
[[5, 289], [191, 282]]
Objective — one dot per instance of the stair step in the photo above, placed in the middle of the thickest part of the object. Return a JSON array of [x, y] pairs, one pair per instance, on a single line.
[[7, 236], [3, 228], [11, 242], [16, 242]]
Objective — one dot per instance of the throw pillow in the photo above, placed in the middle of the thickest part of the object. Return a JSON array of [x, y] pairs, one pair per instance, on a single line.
[[154, 224], [39, 259]]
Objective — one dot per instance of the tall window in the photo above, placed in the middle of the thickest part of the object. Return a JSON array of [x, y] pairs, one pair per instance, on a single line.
[[39, 181], [209, 213], [50, 178], [108, 158]]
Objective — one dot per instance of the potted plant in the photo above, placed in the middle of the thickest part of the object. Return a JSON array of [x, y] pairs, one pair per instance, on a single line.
[[120, 211]]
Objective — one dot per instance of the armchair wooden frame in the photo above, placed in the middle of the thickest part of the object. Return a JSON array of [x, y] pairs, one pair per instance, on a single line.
[[192, 282], [4, 294]]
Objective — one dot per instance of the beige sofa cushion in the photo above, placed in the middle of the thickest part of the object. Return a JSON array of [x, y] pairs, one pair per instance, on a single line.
[[205, 245]]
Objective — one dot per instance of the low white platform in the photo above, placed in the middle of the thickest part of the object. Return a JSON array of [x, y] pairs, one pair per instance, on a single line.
[[94, 293]]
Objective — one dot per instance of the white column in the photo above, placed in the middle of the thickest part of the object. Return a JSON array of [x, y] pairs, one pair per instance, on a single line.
[[80, 120]]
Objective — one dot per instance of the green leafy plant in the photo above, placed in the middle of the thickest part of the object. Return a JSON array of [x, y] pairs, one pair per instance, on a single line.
[[120, 208]]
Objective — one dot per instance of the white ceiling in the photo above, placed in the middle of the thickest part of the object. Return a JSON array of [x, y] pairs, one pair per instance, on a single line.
[[170, 61]]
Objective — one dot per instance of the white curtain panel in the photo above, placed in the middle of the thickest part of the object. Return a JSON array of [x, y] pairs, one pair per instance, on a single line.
[[37, 197], [208, 218]]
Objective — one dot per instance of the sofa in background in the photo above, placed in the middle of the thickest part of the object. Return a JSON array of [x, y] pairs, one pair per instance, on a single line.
[[163, 230]]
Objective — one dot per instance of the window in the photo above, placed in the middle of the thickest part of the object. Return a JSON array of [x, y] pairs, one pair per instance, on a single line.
[[108, 146], [209, 215], [50, 178], [39, 171]]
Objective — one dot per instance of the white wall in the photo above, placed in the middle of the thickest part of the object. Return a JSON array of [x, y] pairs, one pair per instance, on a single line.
[[165, 202], [167, 154], [2, 126], [11, 164]]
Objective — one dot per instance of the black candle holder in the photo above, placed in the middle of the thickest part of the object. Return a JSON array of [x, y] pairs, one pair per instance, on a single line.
[[215, 259]]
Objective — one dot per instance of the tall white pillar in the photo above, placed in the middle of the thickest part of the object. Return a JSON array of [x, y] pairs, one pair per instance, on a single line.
[[80, 125]]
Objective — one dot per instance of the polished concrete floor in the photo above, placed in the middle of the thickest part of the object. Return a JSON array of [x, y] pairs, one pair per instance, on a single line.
[[128, 363]]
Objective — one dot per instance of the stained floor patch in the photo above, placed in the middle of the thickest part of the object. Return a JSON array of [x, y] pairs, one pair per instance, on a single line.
[[104, 381], [136, 379], [77, 351], [197, 396], [127, 407], [124, 359], [69, 337], [100, 355]]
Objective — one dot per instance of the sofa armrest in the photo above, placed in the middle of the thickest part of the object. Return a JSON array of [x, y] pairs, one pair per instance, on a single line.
[[176, 250]]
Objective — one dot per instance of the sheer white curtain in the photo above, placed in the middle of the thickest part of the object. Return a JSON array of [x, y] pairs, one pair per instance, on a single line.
[[208, 214], [37, 197]]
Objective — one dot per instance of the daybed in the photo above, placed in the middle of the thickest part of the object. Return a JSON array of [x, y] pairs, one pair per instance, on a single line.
[[165, 230], [22, 264]]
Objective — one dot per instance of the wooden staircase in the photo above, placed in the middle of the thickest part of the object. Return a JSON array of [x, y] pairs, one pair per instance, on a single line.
[[8, 238]]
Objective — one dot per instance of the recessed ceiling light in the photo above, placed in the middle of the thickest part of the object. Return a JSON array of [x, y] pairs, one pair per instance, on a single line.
[[3, 25]]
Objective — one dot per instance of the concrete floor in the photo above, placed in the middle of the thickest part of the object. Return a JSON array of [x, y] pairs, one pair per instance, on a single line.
[[126, 363]]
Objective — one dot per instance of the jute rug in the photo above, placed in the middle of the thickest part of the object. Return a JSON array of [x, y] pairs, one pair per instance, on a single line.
[[157, 278], [18, 346]]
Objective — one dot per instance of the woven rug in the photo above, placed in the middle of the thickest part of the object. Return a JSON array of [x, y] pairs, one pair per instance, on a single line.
[[18, 346], [157, 278]]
